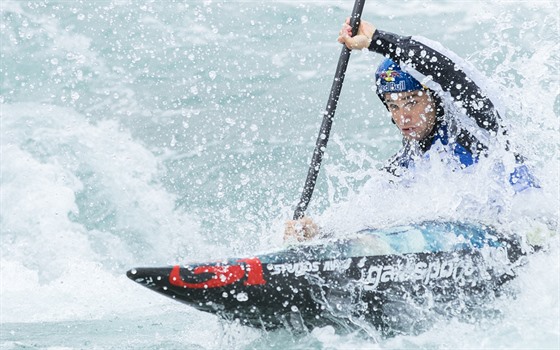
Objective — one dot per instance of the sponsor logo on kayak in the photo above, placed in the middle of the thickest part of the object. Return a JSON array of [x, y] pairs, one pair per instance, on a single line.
[[222, 275], [337, 265], [300, 268], [455, 269]]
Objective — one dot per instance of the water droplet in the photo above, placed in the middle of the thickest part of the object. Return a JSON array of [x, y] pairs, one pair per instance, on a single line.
[[242, 297]]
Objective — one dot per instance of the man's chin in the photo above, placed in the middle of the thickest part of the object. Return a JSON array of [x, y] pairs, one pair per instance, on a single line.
[[412, 137]]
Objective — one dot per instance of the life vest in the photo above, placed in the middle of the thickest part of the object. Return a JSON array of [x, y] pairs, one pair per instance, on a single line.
[[520, 179]]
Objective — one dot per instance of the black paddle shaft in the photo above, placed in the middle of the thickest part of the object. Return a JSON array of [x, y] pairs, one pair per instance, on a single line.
[[328, 116]]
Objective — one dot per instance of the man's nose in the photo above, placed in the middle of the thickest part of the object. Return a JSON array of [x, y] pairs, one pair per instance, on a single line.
[[405, 118]]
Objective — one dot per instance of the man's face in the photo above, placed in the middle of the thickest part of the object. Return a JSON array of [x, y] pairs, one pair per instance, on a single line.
[[414, 112]]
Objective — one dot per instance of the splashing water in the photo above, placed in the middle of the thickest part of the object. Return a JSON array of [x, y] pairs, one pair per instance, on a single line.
[[162, 132]]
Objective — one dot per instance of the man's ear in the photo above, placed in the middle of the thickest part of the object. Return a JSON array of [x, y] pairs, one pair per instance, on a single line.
[[392, 120]]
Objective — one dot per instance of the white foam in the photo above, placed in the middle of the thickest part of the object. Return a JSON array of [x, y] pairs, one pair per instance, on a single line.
[[81, 204]]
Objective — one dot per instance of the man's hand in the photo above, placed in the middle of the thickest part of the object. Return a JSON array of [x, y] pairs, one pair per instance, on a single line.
[[362, 40], [301, 230]]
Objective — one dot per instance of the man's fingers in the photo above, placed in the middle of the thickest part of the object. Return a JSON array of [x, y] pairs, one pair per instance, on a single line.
[[301, 230], [345, 31], [348, 41]]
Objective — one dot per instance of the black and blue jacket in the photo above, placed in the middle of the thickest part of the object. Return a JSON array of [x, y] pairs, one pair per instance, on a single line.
[[469, 122]]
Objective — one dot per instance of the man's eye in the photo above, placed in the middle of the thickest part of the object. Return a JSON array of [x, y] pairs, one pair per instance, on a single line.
[[410, 104]]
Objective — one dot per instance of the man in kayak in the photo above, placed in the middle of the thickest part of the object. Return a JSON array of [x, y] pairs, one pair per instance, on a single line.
[[435, 104]]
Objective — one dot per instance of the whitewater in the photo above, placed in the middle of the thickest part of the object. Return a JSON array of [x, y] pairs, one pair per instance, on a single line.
[[156, 133]]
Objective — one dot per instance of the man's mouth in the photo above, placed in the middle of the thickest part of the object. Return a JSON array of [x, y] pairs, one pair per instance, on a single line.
[[410, 132], [409, 129]]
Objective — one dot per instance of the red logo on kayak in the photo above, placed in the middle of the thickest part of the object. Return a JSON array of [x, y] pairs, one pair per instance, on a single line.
[[223, 275]]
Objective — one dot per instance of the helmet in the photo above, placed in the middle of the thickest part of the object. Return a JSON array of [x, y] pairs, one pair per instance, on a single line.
[[389, 77]]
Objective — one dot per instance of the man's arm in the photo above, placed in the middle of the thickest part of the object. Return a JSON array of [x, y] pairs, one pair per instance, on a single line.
[[435, 66], [429, 63]]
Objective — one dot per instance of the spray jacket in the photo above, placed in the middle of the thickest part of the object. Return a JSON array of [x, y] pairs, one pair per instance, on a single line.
[[470, 122]]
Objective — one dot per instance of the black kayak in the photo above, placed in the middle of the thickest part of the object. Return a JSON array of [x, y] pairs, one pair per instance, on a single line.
[[386, 278]]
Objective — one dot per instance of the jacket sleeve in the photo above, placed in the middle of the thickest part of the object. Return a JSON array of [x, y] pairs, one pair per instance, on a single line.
[[435, 66]]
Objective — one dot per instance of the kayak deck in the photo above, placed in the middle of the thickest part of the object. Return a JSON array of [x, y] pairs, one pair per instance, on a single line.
[[374, 276]]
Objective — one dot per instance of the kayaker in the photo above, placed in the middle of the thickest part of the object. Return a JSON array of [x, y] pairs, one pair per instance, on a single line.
[[435, 104]]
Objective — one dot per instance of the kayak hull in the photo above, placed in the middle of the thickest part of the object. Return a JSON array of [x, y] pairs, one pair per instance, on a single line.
[[316, 285]]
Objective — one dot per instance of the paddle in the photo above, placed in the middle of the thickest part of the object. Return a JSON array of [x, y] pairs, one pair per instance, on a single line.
[[328, 117]]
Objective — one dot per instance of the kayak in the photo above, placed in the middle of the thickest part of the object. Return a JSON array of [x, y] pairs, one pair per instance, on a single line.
[[386, 278]]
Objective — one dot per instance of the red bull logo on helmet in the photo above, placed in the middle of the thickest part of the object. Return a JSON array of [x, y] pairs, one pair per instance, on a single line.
[[391, 86], [389, 75], [391, 78]]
